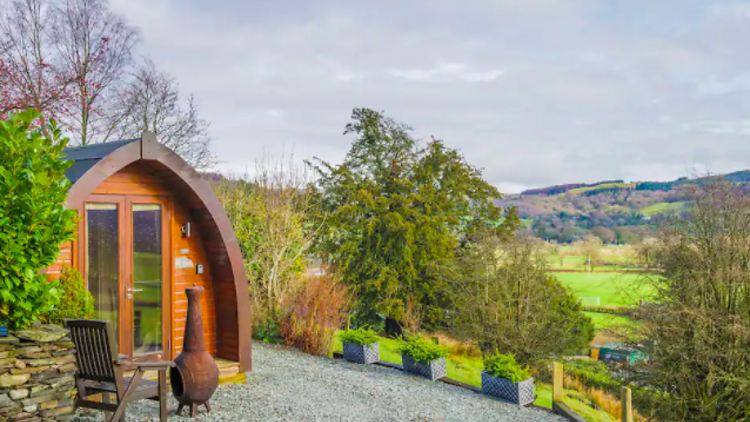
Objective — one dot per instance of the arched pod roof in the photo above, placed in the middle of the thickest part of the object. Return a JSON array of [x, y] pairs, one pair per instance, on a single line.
[[93, 164]]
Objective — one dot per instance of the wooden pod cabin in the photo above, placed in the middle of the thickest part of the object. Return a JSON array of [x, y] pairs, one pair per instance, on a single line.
[[149, 226]]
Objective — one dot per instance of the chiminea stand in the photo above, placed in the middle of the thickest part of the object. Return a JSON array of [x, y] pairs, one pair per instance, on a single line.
[[195, 376]]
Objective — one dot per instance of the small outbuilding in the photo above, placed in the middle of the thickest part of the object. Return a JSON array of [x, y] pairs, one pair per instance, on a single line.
[[150, 226]]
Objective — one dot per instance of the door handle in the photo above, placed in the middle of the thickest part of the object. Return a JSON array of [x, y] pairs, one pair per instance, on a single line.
[[130, 292]]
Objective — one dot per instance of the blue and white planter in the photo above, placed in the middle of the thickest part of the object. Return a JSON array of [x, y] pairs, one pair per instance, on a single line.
[[362, 353], [520, 393], [434, 369]]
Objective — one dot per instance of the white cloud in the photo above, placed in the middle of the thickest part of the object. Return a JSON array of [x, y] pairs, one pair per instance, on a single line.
[[535, 92], [446, 72]]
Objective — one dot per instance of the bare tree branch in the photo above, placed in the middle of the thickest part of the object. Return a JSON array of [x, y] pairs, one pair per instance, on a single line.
[[151, 101], [95, 45], [30, 74]]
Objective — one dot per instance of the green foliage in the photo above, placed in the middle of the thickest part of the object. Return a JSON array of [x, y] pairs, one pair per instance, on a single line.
[[76, 302], [593, 373], [268, 332], [359, 336], [394, 213], [33, 218], [505, 366], [699, 328], [506, 301], [269, 217], [422, 349]]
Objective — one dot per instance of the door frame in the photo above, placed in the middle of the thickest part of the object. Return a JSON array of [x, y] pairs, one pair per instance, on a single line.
[[125, 264]]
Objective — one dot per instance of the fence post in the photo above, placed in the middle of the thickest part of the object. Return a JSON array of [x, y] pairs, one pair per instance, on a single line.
[[557, 382], [627, 404], [348, 322]]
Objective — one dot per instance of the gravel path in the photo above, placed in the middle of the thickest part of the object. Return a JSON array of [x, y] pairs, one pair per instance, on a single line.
[[287, 385]]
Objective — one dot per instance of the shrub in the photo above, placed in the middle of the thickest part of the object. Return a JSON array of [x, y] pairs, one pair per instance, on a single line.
[[270, 216], [458, 348], [505, 366], [359, 336], [33, 218], [422, 349], [75, 301], [699, 329], [312, 314], [268, 332], [506, 301], [593, 373]]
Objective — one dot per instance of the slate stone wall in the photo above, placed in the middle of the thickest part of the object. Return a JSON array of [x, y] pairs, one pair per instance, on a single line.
[[37, 369]]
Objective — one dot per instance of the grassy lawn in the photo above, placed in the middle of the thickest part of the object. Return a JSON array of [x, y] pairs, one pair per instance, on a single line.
[[611, 289]]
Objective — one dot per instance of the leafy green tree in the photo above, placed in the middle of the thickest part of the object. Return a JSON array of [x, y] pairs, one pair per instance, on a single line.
[[395, 211], [33, 218], [507, 302]]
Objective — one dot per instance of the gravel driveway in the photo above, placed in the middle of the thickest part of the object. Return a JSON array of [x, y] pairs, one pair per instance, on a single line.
[[287, 385]]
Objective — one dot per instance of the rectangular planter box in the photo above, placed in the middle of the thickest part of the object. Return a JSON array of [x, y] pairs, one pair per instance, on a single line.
[[520, 393], [434, 369], [362, 353]]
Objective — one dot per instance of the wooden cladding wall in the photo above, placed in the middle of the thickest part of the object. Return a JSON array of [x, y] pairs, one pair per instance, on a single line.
[[226, 314], [133, 180], [65, 259], [190, 248]]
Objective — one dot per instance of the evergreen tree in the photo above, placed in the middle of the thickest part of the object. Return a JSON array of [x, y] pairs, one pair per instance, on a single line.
[[395, 212]]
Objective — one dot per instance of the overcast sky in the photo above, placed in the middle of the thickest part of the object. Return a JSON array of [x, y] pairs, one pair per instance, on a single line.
[[536, 92]]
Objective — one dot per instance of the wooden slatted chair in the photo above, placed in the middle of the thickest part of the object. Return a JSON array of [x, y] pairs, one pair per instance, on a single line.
[[101, 371]]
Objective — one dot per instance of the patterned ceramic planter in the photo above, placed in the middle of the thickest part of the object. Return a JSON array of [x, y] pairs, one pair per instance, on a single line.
[[362, 353], [434, 369], [521, 393]]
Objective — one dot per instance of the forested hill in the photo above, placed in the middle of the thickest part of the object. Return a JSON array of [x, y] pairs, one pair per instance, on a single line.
[[614, 210]]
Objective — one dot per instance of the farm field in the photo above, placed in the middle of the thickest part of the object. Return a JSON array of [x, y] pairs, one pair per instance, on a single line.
[[611, 289], [614, 258], [664, 208]]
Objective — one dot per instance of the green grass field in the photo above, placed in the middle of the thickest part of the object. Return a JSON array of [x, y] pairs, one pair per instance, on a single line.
[[663, 208], [612, 289], [617, 258]]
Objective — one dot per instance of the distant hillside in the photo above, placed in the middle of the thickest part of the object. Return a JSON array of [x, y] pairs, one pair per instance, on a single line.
[[616, 211]]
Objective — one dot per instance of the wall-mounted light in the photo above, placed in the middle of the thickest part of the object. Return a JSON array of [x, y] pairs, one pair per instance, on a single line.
[[186, 230]]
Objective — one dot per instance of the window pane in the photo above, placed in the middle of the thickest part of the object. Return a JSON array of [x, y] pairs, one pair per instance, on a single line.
[[147, 278], [103, 269]]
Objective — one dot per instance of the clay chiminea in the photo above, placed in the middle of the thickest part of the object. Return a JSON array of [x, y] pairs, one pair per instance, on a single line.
[[195, 376]]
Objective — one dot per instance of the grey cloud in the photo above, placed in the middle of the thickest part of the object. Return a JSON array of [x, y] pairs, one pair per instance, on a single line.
[[536, 93]]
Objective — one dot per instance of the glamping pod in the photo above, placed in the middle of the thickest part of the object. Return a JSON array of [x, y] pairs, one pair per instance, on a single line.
[[150, 226]]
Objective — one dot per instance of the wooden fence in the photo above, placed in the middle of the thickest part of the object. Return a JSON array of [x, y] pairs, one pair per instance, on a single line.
[[560, 407]]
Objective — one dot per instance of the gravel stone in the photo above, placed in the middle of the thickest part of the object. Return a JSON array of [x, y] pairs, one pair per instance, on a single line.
[[288, 385]]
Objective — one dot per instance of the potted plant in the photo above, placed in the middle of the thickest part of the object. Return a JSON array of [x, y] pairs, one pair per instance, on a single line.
[[422, 356], [505, 379], [360, 346]]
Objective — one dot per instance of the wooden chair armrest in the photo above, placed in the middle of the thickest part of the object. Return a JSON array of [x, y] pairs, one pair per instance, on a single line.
[[153, 365]]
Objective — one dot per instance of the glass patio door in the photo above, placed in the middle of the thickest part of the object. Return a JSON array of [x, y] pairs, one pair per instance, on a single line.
[[126, 257], [145, 293]]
